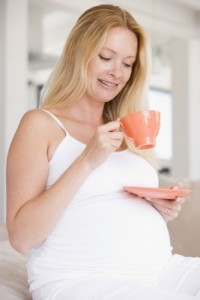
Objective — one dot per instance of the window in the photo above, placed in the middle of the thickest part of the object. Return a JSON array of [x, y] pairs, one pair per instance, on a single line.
[[162, 101]]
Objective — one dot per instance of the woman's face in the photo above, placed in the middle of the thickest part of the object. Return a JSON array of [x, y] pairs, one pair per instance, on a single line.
[[109, 71]]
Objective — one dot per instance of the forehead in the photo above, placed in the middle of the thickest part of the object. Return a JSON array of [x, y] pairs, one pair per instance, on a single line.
[[120, 39]]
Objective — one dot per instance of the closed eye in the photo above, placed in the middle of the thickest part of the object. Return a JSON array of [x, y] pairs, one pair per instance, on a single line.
[[128, 65], [108, 59], [104, 58]]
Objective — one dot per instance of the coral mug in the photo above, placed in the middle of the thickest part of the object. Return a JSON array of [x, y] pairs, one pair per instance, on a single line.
[[141, 127]]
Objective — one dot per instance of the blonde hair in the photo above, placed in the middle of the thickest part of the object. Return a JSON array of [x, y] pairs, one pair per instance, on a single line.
[[68, 81]]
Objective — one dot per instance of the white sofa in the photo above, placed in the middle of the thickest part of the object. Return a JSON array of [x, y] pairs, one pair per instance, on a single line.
[[184, 231], [13, 277]]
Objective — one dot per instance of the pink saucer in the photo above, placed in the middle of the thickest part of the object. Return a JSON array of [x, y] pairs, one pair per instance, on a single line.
[[146, 192]]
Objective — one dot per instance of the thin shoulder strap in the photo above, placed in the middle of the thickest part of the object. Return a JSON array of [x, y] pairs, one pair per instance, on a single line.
[[56, 119]]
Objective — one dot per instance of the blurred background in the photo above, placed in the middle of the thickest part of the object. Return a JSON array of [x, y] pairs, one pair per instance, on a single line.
[[32, 34]]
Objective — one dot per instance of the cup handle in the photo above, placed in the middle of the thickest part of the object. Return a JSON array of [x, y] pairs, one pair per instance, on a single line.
[[126, 136]]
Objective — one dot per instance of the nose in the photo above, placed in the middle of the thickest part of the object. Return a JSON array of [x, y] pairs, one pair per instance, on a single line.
[[116, 71]]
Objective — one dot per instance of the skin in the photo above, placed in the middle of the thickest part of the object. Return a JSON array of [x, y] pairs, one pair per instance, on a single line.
[[109, 72], [32, 211]]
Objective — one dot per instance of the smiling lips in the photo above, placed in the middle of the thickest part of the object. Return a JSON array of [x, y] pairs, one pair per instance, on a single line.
[[108, 83]]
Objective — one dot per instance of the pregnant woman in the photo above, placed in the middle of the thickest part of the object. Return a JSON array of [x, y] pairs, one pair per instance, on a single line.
[[66, 169]]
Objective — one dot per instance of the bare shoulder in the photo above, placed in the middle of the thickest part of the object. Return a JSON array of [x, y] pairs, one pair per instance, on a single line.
[[36, 121], [36, 118], [34, 127]]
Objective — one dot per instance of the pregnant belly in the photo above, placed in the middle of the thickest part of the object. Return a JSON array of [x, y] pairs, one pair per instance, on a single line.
[[114, 233]]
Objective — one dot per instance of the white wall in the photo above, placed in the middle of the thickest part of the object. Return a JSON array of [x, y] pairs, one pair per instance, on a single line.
[[186, 108], [13, 77], [2, 110]]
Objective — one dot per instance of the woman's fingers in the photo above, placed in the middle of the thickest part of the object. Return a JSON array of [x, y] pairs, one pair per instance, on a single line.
[[106, 139], [110, 126], [169, 209], [176, 186]]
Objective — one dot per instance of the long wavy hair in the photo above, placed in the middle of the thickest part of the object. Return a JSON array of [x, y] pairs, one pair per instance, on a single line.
[[68, 81]]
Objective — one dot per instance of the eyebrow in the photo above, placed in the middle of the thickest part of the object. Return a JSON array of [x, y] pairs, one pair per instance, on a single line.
[[130, 56]]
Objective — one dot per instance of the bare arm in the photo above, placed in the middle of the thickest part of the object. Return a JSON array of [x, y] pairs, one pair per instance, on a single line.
[[32, 211]]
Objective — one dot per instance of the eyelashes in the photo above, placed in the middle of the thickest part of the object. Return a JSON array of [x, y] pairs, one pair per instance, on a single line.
[[128, 66], [104, 58], [108, 59]]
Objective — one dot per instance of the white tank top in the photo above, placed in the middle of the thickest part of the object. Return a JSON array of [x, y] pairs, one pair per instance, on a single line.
[[104, 230]]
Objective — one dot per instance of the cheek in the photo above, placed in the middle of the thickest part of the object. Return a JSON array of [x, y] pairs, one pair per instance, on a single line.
[[127, 76], [93, 71]]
